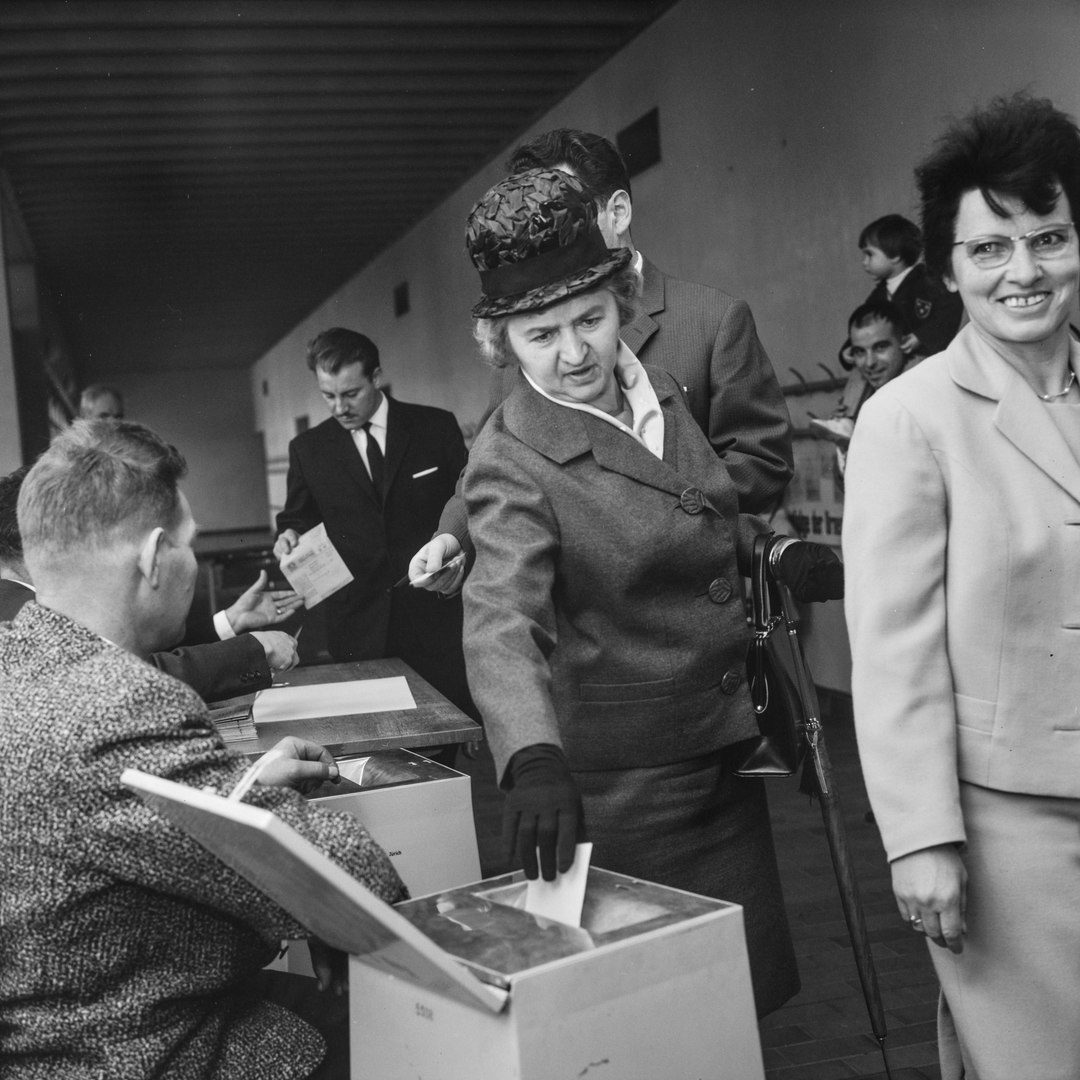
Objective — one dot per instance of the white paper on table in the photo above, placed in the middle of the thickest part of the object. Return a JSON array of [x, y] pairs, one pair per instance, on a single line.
[[314, 568], [332, 699], [561, 899]]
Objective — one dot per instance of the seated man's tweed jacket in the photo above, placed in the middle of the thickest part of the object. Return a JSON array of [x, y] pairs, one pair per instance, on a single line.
[[126, 950]]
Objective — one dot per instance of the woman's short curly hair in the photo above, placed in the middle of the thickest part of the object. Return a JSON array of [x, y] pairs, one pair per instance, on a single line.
[[1018, 147], [491, 334]]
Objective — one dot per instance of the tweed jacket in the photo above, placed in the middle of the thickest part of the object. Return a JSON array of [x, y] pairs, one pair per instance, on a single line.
[[125, 947], [962, 566], [327, 482], [215, 671], [604, 611]]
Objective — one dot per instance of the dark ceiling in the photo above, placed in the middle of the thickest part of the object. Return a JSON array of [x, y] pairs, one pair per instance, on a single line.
[[196, 177]]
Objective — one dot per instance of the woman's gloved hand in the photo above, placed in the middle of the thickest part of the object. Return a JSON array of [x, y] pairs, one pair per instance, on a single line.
[[812, 572], [543, 810]]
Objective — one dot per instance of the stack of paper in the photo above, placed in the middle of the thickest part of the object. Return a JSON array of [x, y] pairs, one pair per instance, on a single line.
[[232, 724]]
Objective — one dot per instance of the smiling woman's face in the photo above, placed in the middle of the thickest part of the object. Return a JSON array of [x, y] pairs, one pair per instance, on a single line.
[[1028, 299]]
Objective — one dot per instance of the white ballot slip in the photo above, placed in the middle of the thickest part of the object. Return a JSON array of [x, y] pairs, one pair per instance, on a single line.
[[314, 568], [561, 899], [391, 694]]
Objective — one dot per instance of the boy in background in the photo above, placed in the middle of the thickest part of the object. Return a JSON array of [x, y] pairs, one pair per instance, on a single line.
[[891, 247]]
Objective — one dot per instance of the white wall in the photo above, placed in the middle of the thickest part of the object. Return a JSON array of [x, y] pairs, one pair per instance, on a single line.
[[786, 125], [207, 416]]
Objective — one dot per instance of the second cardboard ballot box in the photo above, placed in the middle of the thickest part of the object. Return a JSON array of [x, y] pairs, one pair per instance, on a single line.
[[464, 983], [419, 811]]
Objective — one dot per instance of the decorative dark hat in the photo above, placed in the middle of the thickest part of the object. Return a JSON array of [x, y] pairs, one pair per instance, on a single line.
[[535, 241]]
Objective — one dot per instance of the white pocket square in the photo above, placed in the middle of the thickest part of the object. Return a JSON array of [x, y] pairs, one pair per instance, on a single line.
[[425, 472]]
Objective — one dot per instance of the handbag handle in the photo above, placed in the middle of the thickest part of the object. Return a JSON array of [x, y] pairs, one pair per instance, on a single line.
[[769, 597]]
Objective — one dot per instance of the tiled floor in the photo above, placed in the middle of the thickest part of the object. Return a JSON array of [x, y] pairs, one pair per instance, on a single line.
[[823, 1033]]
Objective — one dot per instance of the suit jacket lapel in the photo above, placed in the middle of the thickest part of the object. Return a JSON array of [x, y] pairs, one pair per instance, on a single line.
[[348, 453], [1020, 416], [398, 435], [637, 332], [562, 434]]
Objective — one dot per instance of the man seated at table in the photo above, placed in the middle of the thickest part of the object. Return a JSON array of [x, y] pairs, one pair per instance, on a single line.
[[128, 950], [239, 664]]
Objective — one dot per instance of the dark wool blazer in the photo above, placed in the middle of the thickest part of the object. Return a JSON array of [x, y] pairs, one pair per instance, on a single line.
[[127, 949], [604, 610], [327, 482], [215, 671]]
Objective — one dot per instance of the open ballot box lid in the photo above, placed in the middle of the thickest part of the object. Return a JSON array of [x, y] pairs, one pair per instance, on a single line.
[[311, 887], [466, 943]]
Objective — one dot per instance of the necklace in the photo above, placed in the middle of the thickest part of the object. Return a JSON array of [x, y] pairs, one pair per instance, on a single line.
[[1061, 393]]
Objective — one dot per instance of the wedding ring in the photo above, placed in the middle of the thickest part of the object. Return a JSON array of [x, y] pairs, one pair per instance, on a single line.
[[915, 921], [277, 611]]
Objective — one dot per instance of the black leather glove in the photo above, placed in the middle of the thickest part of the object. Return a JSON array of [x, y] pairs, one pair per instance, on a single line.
[[543, 810], [811, 571]]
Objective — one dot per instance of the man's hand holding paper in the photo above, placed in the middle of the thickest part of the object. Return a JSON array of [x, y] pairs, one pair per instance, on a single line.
[[311, 564]]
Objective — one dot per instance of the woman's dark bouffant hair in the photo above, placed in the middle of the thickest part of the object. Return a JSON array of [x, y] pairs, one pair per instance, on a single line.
[[1017, 147]]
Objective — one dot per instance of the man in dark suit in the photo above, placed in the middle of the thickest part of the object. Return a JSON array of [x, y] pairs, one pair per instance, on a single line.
[[702, 336], [377, 474], [219, 669]]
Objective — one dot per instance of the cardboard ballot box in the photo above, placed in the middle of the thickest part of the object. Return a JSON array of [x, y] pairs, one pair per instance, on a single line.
[[464, 983], [654, 984], [419, 811]]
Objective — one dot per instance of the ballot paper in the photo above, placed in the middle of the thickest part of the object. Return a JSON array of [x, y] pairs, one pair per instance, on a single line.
[[561, 899], [314, 568], [332, 699]]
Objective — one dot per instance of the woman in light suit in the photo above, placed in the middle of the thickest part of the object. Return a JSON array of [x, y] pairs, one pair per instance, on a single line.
[[605, 634], [962, 560]]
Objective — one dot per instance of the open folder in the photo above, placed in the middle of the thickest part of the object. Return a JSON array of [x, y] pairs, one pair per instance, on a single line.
[[311, 887]]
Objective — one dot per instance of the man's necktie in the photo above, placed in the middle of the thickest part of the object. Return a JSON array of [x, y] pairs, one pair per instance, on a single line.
[[376, 463]]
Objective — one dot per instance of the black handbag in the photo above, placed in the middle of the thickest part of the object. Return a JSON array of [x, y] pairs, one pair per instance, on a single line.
[[772, 674]]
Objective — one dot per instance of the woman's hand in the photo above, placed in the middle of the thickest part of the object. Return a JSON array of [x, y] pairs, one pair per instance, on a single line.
[[812, 572], [430, 559], [931, 892], [543, 812]]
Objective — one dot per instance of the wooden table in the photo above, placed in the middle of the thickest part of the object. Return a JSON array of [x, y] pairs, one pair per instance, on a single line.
[[434, 721]]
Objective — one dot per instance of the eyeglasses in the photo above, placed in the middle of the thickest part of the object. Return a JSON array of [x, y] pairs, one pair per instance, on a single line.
[[1047, 242]]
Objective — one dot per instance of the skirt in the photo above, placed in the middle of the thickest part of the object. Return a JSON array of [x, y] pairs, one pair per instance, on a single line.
[[1010, 1005], [694, 825]]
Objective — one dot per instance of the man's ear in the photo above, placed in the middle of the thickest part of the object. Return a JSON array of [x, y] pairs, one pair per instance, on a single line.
[[620, 211], [377, 378], [950, 283], [150, 556]]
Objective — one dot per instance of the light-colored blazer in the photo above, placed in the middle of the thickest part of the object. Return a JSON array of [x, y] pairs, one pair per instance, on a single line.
[[604, 611], [962, 565]]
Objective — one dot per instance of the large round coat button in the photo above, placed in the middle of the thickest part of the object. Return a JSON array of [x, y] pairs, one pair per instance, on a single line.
[[692, 501], [730, 682], [719, 591]]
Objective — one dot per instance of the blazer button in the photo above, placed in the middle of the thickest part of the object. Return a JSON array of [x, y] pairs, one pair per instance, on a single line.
[[692, 501], [730, 682], [719, 591]]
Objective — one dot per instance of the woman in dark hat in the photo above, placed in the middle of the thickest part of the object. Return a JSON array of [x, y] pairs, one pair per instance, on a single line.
[[605, 634]]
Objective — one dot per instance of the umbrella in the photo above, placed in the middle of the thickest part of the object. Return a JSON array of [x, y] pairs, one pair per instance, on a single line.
[[820, 780]]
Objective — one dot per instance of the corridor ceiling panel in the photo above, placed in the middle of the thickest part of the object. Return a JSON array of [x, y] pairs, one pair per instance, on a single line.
[[196, 177]]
